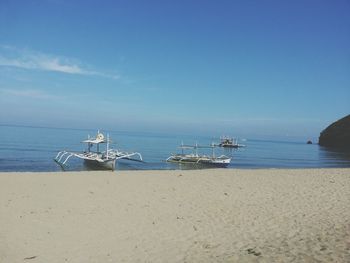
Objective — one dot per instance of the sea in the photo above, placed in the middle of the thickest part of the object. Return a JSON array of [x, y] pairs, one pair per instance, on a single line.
[[32, 149]]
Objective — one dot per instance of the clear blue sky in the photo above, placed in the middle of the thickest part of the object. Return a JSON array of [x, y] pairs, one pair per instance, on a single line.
[[246, 68]]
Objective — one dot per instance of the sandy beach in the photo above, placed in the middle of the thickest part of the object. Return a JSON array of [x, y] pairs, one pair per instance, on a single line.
[[227, 215]]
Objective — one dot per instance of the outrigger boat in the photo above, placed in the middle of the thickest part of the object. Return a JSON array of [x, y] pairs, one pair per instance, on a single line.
[[98, 159], [195, 158], [228, 142]]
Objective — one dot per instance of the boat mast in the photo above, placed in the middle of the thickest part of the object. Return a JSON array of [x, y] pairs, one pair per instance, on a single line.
[[89, 144], [98, 144], [107, 144]]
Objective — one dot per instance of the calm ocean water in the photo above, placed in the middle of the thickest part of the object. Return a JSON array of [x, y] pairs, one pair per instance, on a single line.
[[33, 149]]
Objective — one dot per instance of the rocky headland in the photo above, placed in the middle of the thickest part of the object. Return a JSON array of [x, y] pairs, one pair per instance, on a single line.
[[337, 134]]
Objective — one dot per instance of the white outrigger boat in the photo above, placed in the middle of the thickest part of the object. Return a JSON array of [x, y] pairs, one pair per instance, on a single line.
[[195, 158], [228, 142], [99, 159]]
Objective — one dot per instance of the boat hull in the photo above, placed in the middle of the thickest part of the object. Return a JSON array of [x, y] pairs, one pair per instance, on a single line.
[[96, 165], [231, 145], [222, 162]]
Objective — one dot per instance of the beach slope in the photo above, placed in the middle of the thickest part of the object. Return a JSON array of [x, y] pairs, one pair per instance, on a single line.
[[227, 215]]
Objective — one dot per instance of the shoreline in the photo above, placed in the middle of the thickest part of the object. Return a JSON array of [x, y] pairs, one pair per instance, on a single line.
[[209, 215], [179, 170]]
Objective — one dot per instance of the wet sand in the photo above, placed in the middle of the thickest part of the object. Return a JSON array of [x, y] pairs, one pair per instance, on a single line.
[[214, 215]]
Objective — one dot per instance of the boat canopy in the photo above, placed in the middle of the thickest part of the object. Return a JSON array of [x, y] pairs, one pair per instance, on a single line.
[[95, 141], [100, 138]]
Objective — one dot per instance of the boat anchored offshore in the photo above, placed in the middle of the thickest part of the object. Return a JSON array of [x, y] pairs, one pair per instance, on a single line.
[[228, 142], [97, 159], [195, 158]]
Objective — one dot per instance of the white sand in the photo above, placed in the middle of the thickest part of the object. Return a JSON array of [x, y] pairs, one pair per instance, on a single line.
[[159, 216]]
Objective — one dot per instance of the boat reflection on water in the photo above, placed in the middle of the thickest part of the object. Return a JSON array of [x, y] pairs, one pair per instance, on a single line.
[[229, 151], [192, 166]]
